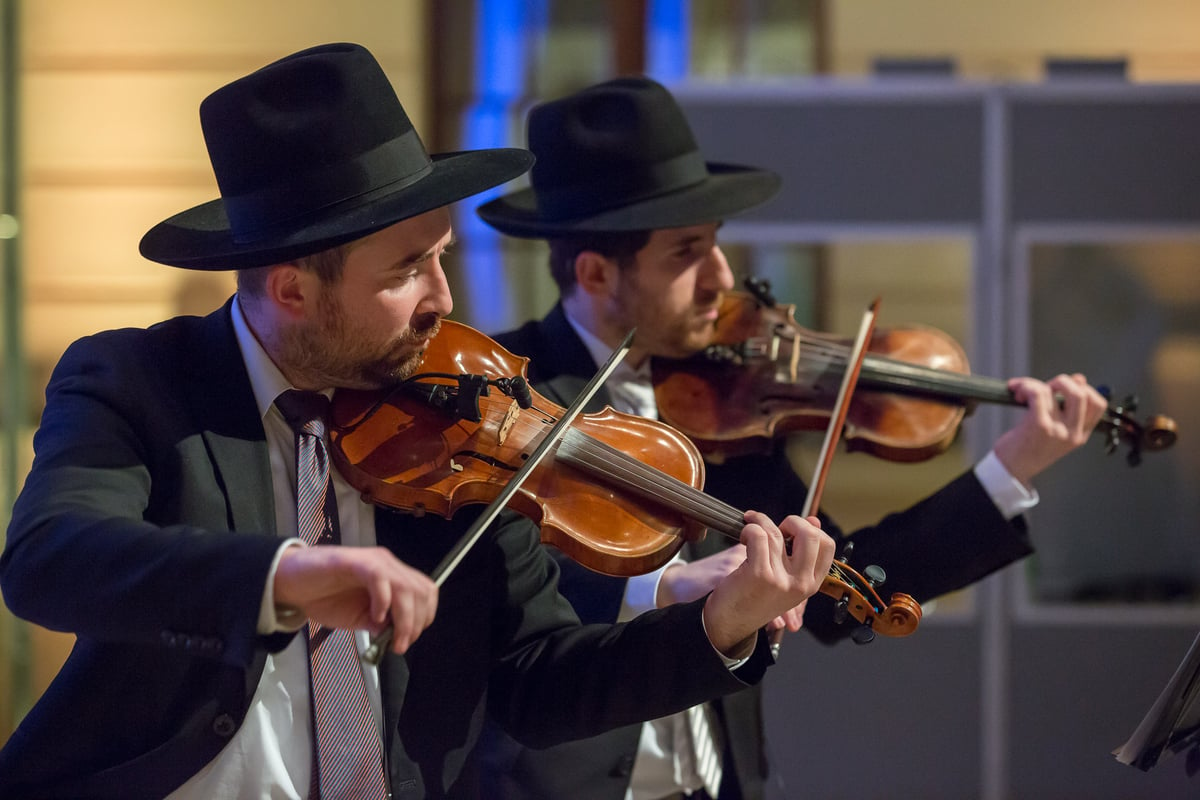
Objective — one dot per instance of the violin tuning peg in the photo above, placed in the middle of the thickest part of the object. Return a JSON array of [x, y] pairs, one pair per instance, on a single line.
[[846, 552], [874, 575], [1112, 440], [863, 635], [722, 354], [760, 288], [841, 609]]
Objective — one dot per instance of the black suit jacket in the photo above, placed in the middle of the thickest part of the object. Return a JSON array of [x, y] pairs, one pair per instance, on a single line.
[[943, 543], [146, 527]]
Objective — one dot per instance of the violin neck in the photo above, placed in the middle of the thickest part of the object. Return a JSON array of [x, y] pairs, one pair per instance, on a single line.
[[886, 374]]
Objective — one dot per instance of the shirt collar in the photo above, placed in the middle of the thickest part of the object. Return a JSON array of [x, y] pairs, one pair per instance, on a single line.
[[630, 390], [600, 353]]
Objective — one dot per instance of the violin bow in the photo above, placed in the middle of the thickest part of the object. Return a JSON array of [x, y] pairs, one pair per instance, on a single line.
[[837, 421], [378, 645]]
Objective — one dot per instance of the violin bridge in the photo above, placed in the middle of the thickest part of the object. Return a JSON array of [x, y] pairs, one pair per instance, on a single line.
[[510, 418], [789, 371], [794, 364]]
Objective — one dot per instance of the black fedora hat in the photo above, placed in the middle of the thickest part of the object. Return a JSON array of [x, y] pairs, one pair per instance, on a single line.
[[309, 152], [620, 156]]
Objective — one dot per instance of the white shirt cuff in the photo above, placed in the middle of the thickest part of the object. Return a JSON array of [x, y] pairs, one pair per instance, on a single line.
[[730, 663], [641, 592], [641, 595], [268, 620], [1011, 496]]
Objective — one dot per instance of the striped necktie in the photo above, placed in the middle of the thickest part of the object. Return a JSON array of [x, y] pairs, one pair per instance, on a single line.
[[348, 750], [705, 748]]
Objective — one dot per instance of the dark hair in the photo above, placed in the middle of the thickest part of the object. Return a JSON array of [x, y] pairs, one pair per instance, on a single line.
[[326, 264], [620, 246]]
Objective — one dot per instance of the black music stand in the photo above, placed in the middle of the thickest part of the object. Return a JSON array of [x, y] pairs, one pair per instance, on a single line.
[[1172, 725]]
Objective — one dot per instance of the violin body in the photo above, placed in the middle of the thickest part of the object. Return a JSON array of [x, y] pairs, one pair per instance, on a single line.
[[766, 376], [408, 455]]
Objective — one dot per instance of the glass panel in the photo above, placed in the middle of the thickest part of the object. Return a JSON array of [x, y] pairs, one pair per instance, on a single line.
[[1127, 316], [753, 38]]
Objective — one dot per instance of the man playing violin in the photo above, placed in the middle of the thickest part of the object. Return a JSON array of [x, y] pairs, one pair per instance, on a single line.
[[181, 520], [631, 212]]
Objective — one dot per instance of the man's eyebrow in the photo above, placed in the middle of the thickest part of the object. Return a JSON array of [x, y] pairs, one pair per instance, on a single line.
[[421, 258], [687, 241]]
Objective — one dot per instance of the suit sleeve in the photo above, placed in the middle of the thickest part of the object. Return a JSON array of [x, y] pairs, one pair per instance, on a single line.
[[595, 677], [121, 532]]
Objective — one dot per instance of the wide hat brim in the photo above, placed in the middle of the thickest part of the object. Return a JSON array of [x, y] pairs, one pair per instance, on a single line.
[[727, 190], [201, 237]]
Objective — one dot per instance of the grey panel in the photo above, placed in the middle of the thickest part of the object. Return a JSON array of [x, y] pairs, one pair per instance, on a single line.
[[1077, 694], [873, 159], [1106, 159], [897, 718]]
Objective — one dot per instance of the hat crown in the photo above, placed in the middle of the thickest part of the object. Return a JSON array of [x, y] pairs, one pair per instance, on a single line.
[[304, 133], [623, 123], [318, 106], [609, 145]]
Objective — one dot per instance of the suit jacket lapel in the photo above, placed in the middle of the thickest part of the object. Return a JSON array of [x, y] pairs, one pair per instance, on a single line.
[[569, 365], [232, 428]]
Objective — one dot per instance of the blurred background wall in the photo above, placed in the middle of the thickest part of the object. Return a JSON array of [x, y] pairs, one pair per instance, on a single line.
[[99, 140]]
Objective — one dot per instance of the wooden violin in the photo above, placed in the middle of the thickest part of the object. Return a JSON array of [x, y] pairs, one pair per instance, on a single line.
[[765, 376], [618, 493]]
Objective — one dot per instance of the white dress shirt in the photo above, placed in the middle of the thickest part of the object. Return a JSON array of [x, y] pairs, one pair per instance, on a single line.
[[270, 755]]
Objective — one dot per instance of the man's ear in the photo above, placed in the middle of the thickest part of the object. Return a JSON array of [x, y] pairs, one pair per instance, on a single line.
[[290, 289], [596, 274]]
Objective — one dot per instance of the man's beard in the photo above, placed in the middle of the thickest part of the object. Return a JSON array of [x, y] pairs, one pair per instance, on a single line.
[[678, 336], [335, 352]]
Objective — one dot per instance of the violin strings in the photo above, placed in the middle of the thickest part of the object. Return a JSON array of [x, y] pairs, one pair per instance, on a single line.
[[603, 459], [626, 471], [823, 354]]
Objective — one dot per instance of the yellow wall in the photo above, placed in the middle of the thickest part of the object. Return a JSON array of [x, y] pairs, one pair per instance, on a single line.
[[1010, 39]]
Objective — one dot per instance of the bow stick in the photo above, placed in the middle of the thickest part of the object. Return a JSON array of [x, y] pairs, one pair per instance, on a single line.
[[837, 420]]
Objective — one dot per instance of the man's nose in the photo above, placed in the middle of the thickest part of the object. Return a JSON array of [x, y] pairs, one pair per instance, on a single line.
[[717, 274], [438, 299]]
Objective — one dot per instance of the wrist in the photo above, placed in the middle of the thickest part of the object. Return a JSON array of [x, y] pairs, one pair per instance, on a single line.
[[274, 615], [731, 641], [665, 592]]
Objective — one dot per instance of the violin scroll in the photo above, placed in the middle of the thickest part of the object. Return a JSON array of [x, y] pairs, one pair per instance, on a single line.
[[856, 596], [1118, 426]]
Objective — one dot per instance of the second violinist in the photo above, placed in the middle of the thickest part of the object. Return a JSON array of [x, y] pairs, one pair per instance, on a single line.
[[631, 211]]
